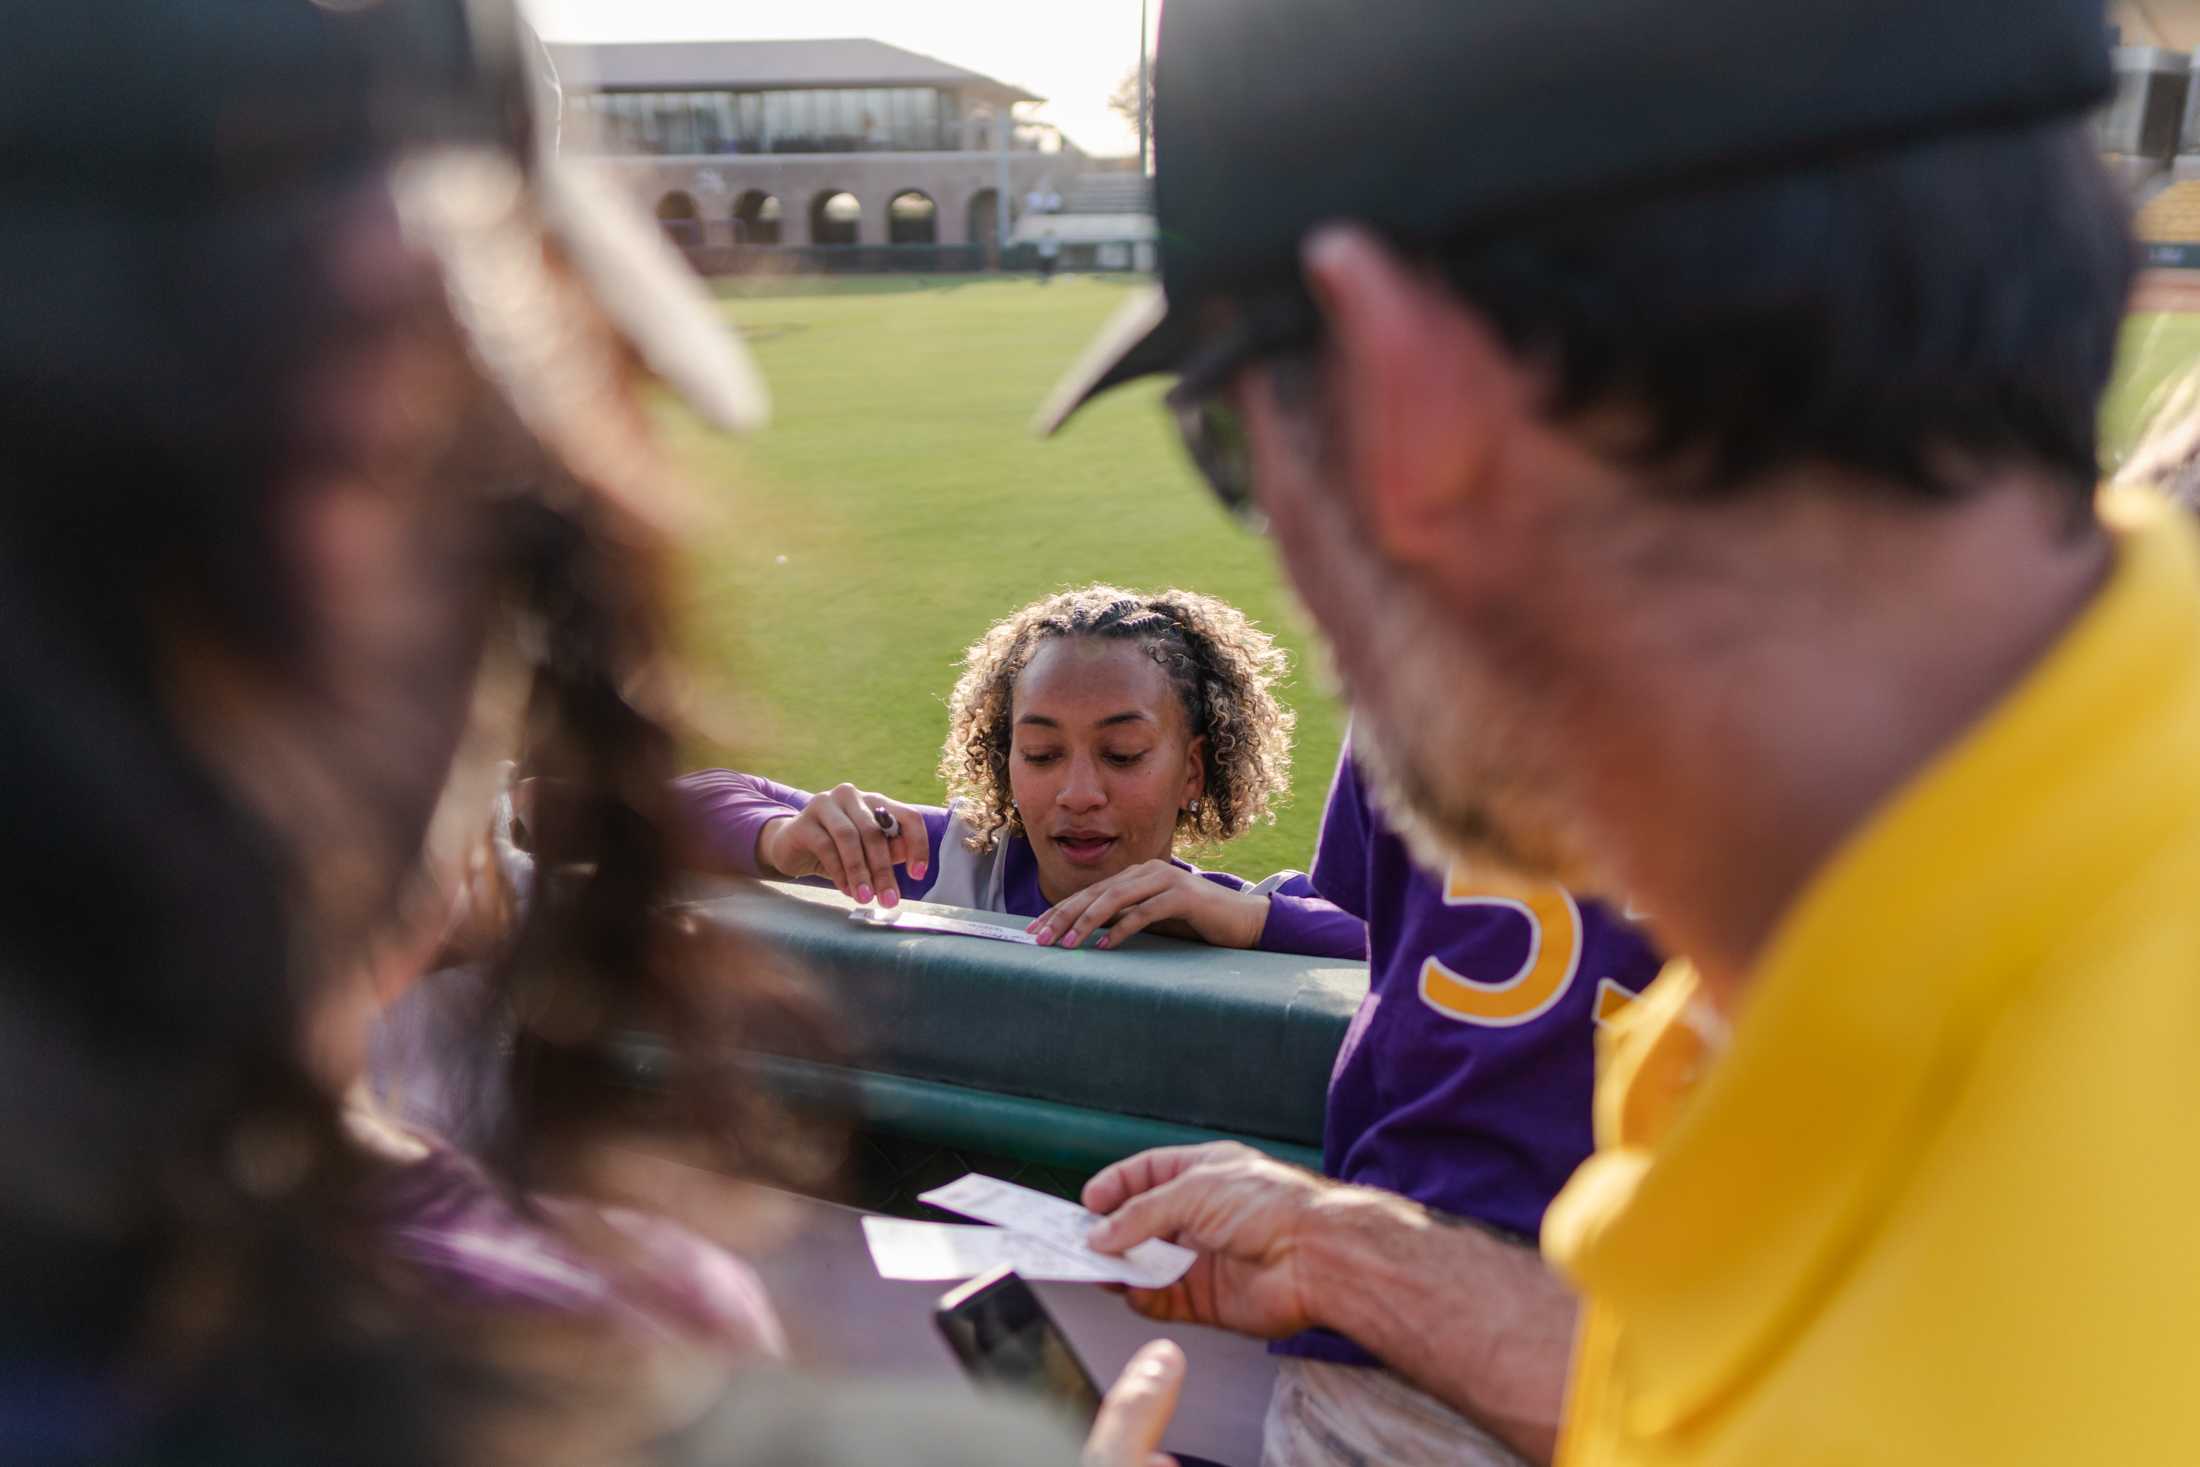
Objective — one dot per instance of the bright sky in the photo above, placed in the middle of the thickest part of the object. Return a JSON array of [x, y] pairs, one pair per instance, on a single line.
[[1071, 52]]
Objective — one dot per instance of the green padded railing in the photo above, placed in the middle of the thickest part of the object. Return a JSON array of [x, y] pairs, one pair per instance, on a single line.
[[1057, 1060], [1042, 1132]]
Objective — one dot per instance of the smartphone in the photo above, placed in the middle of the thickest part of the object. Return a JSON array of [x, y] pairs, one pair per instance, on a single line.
[[1004, 1336]]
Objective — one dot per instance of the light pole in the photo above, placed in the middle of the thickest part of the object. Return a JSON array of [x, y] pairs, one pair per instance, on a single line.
[[1004, 119], [1145, 87]]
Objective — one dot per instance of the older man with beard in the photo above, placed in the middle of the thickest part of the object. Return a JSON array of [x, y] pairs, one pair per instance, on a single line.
[[1680, 419]]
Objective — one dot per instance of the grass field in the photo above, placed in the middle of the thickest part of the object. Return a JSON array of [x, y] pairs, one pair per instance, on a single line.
[[899, 504]]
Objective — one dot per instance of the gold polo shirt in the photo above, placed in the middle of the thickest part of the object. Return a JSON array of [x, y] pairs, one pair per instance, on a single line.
[[1936, 1198]]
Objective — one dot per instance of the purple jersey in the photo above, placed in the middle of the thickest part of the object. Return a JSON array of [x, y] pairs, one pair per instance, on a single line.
[[731, 810], [1464, 1081]]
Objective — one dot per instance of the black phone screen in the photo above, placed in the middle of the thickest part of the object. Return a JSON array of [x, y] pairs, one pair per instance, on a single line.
[[1004, 1337]]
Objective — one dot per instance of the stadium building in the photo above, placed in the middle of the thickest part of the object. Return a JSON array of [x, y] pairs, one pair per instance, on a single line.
[[2151, 137], [848, 146]]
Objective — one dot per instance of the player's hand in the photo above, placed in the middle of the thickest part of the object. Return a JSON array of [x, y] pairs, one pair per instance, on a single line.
[[837, 836], [1136, 1411], [1156, 894], [1244, 1212]]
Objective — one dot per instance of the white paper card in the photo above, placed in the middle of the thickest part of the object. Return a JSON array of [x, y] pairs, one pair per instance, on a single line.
[[906, 921], [1059, 1224], [902, 1249]]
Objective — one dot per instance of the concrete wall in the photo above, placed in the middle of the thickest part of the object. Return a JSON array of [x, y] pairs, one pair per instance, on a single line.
[[951, 180]]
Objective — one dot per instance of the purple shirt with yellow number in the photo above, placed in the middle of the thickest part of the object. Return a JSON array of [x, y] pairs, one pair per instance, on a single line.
[[1464, 1081]]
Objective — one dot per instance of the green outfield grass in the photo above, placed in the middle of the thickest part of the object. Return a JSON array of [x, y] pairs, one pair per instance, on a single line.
[[898, 505]]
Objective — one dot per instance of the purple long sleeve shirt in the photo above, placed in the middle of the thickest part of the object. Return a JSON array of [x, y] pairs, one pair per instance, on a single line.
[[731, 809]]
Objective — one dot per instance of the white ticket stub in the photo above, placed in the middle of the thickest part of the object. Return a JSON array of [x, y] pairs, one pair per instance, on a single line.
[[1061, 1225], [907, 921], [927, 1250]]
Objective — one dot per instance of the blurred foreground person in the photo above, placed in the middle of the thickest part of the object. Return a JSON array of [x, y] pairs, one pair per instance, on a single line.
[[1698, 492], [325, 475]]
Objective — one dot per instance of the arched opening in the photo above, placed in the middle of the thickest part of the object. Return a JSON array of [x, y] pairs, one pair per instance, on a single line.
[[681, 220], [756, 218], [835, 219], [912, 218], [985, 218]]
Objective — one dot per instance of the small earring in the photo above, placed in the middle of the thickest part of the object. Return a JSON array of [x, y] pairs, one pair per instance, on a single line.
[[1192, 808]]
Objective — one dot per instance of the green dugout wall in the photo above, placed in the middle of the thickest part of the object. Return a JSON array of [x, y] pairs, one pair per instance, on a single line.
[[1034, 1063]]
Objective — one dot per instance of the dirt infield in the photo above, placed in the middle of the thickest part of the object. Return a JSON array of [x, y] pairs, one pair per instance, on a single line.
[[2167, 290]]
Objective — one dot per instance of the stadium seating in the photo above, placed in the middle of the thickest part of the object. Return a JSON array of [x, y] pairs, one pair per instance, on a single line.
[[2172, 216], [1109, 193]]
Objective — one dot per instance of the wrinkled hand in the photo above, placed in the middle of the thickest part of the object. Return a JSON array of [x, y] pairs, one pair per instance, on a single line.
[[1156, 894], [1137, 1409], [836, 836], [1244, 1212]]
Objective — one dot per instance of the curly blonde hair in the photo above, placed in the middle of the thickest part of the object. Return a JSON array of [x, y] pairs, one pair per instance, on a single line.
[[1224, 668]]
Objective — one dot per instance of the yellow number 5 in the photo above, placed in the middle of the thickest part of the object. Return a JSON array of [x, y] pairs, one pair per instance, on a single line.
[[1554, 954]]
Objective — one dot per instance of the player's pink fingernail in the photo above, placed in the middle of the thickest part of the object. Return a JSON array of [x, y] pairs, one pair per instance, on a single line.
[[1046, 936], [889, 898], [863, 893], [1102, 941], [916, 869]]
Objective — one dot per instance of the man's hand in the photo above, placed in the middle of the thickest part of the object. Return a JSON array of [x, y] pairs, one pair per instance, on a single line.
[[838, 836], [1243, 1211], [1128, 1431], [1157, 894], [1476, 1321]]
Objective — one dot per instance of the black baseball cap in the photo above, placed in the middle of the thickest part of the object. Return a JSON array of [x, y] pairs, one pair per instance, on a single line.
[[1435, 121], [118, 115]]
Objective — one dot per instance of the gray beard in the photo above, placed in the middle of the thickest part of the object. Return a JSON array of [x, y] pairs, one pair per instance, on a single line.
[[1443, 826], [1458, 775]]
